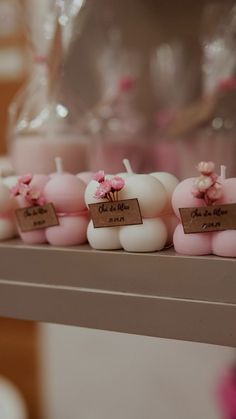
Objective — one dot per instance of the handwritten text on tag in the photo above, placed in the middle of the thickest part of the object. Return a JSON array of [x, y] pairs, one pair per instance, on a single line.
[[36, 217], [117, 213], [209, 218]]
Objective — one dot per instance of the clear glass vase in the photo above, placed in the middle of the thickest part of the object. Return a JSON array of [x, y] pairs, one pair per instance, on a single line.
[[214, 136], [136, 79], [42, 121], [113, 83], [113, 125]]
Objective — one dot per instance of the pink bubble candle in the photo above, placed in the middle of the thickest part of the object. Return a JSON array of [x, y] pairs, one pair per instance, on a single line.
[[207, 189], [154, 193], [8, 228], [29, 192], [66, 192]]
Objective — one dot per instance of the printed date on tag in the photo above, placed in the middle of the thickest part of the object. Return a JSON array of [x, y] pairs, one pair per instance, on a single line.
[[117, 213], [36, 217], [209, 218]]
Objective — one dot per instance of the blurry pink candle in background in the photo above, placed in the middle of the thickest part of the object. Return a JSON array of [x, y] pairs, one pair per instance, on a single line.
[[36, 154]]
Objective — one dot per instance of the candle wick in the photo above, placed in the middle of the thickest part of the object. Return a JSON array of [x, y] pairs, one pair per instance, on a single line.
[[128, 167], [59, 165], [222, 173]]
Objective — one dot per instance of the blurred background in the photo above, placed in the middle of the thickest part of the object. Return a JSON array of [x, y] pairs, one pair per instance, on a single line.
[[95, 82]]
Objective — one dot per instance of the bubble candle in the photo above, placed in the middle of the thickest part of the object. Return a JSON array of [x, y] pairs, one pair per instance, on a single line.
[[207, 189], [66, 192], [29, 192], [153, 192]]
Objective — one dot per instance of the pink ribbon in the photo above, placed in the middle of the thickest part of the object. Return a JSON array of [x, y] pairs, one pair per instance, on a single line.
[[6, 215], [72, 214]]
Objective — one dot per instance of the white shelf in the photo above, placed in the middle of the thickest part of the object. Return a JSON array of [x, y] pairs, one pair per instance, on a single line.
[[159, 294]]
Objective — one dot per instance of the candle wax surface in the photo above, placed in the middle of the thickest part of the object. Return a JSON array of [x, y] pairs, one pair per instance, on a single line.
[[154, 196], [147, 237], [70, 232], [106, 238], [35, 154], [221, 243], [35, 236], [66, 192], [149, 191]]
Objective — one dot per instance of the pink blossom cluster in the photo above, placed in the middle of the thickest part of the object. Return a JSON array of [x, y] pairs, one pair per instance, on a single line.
[[108, 188], [27, 191], [207, 185]]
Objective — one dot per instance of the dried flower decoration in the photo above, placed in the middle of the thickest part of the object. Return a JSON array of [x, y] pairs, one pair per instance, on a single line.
[[108, 188], [207, 186], [24, 188]]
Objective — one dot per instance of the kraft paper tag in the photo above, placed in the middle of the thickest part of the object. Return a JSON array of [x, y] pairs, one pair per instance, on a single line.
[[117, 213], [34, 218], [209, 218]]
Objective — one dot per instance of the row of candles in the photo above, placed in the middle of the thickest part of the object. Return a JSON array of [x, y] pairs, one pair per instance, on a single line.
[[160, 197]]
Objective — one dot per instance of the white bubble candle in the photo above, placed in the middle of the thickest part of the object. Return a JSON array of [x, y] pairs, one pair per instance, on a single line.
[[153, 192], [29, 192]]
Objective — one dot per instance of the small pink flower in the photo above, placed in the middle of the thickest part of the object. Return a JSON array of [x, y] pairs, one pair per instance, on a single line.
[[202, 183], [15, 190], [99, 176], [215, 192], [24, 190], [26, 179], [41, 200], [117, 183], [214, 177], [207, 186], [103, 189], [34, 194], [22, 184], [196, 193], [31, 195], [206, 168]]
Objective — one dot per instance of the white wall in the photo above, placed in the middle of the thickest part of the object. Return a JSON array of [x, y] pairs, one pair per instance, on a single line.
[[98, 375]]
